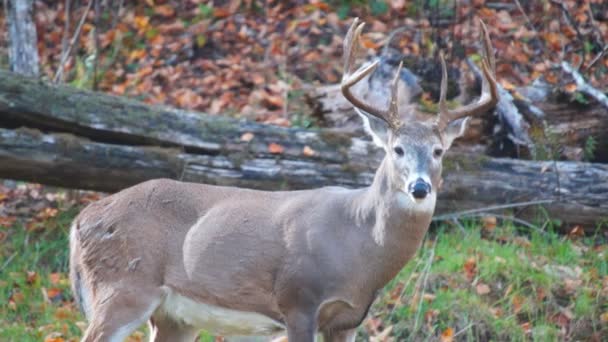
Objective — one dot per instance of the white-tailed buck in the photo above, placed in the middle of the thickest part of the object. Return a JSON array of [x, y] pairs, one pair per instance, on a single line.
[[187, 257]]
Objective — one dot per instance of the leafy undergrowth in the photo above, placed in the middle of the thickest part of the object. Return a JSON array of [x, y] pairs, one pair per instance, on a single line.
[[479, 283]]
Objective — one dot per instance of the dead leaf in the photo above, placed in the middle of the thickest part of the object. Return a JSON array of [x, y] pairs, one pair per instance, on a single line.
[[527, 327], [517, 302], [54, 278], [54, 337], [577, 231], [470, 268], [482, 289], [489, 223], [570, 87], [31, 277], [54, 294], [166, 11], [308, 152], [247, 137], [7, 221], [275, 148], [447, 335]]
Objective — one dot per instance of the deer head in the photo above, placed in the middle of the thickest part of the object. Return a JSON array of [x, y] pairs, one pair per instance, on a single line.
[[414, 150]]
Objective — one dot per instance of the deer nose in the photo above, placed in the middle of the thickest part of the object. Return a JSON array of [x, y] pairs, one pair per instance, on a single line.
[[419, 188]]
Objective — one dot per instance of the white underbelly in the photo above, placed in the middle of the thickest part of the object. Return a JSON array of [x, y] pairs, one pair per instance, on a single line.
[[218, 320]]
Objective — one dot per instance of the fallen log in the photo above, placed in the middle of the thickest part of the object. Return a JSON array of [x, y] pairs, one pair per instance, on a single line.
[[564, 131], [579, 191], [86, 140]]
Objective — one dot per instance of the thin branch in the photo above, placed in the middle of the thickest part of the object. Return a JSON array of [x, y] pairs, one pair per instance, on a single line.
[[66, 32], [571, 22], [457, 214], [96, 42], [521, 9], [464, 329], [510, 218], [597, 58], [68, 52]]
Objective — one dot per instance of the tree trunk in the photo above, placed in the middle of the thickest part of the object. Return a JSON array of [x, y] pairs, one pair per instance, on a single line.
[[23, 48], [94, 141]]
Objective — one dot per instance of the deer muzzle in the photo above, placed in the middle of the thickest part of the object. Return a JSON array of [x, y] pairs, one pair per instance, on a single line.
[[419, 189]]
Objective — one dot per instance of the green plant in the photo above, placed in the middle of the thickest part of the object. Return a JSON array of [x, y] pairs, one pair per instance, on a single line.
[[589, 149]]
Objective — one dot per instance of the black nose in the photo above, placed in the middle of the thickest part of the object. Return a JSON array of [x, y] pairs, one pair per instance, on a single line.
[[419, 189]]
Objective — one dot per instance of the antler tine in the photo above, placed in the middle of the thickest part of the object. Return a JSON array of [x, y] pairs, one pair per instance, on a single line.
[[349, 79], [393, 111], [489, 90], [443, 107]]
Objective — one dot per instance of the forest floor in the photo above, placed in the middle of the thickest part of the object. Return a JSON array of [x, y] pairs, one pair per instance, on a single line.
[[479, 281], [259, 59]]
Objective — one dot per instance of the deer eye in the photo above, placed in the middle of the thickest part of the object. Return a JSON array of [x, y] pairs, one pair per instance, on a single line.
[[437, 152], [399, 151]]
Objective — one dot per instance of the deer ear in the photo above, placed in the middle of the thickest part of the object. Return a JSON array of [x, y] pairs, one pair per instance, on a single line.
[[375, 127], [454, 130]]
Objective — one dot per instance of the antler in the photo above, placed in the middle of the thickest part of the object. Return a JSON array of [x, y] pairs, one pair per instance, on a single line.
[[349, 79], [489, 91]]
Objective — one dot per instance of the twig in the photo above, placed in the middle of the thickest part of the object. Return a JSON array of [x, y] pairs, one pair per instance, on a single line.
[[67, 53], [8, 261], [96, 42], [464, 329], [596, 58], [570, 22], [511, 218], [583, 86], [450, 216], [599, 37], [66, 31], [521, 9]]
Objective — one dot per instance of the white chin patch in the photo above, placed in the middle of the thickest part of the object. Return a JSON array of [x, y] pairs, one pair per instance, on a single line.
[[427, 204]]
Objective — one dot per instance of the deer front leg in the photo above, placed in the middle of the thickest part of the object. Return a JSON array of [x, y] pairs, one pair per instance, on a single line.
[[340, 336], [301, 327]]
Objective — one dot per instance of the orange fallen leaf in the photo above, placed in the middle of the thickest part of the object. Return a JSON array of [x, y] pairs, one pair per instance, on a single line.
[[517, 302], [54, 278], [447, 335], [54, 293], [141, 22], [54, 337], [570, 87], [275, 148], [470, 268]]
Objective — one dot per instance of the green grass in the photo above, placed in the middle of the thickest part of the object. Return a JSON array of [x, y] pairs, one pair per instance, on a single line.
[[540, 287], [501, 285]]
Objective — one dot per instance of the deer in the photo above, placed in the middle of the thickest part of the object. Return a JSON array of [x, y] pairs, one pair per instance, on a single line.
[[188, 257]]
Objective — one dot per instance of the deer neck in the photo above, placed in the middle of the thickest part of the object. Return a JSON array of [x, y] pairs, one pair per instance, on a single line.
[[395, 223]]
